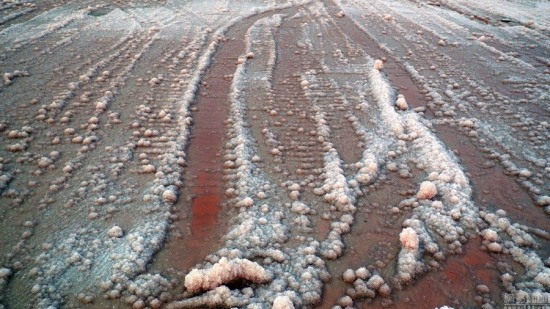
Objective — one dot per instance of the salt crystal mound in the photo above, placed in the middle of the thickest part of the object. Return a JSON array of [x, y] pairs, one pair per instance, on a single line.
[[225, 271], [409, 239]]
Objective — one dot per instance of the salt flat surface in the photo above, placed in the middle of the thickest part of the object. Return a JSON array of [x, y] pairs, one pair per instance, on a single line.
[[274, 154]]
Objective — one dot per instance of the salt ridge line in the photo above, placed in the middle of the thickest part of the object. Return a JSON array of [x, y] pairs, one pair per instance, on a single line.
[[54, 156], [457, 192], [15, 15], [480, 41], [42, 287], [61, 100], [260, 236], [151, 141], [239, 146], [89, 141], [536, 192], [331, 56], [19, 42], [408, 260], [503, 58], [465, 37], [398, 27], [409, 263], [339, 194], [345, 67], [454, 217], [449, 28], [368, 165], [306, 29], [500, 235], [494, 136], [489, 132], [343, 197], [145, 281], [125, 254], [375, 145], [102, 104], [380, 95], [70, 39], [366, 174], [443, 42], [383, 94], [540, 24], [138, 245]]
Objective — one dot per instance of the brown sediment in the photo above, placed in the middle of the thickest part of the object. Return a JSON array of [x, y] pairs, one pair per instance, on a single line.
[[206, 145], [205, 209], [202, 197]]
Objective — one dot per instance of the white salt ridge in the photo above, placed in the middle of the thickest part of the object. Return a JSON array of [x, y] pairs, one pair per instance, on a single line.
[[143, 251], [259, 233], [498, 133], [454, 191], [521, 11], [18, 35], [140, 243], [504, 142], [73, 87], [428, 146], [383, 93], [337, 191], [7, 18], [225, 271], [457, 221], [520, 246]]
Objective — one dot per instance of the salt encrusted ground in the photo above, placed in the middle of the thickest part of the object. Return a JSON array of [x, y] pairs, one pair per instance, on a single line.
[[281, 154]]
